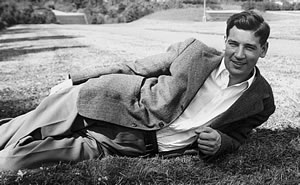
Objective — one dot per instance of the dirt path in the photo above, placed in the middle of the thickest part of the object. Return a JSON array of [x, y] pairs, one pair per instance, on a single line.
[[33, 58]]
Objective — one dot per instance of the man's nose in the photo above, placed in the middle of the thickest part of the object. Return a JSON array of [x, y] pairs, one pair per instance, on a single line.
[[240, 52]]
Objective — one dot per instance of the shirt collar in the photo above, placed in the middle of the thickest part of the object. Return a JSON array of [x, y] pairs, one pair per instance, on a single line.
[[222, 70]]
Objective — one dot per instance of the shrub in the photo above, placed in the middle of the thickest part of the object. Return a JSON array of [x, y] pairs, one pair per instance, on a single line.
[[2, 24], [65, 7], [171, 4], [201, 1], [112, 13], [287, 6], [102, 9], [121, 18], [297, 6], [37, 19], [100, 18], [42, 16], [50, 5], [92, 19], [9, 14], [22, 12], [90, 15], [271, 6], [135, 11], [262, 6], [25, 15], [105, 19], [212, 4], [121, 7], [119, 12], [193, 1], [95, 15], [253, 5]]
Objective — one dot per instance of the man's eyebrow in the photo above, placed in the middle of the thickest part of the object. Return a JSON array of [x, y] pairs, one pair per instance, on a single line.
[[251, 45], [230, 40], [247, 44]]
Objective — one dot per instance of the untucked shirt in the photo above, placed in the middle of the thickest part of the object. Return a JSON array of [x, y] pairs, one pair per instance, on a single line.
[[213, 98]]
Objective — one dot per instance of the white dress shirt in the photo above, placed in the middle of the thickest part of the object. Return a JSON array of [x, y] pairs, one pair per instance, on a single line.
[[213, 98]]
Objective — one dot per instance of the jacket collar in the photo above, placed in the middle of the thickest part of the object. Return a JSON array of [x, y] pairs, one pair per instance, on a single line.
[[250, 102], [199, 72]]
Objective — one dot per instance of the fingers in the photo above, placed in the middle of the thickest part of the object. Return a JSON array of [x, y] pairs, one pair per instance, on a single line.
[[208, 136], [205, 142], [207, 133], [207, 149], [204, 129], [209, 140]]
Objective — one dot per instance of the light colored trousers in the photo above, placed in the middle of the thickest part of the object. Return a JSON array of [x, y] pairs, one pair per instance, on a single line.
[[55, 132]]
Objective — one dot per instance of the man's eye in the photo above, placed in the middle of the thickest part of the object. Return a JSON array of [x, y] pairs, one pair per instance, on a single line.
[[233, 44], [250, 48]]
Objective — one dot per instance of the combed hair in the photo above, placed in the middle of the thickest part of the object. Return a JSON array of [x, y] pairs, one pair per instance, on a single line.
[[250, 20]]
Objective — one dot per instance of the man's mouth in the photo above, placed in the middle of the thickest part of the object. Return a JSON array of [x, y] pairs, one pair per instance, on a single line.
[[237, 63]]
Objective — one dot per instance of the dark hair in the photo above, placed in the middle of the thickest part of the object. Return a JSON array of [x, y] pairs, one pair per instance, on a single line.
[[250, 20]]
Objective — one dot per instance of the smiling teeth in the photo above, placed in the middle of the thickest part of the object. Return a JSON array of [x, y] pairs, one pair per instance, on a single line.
[[238, 63]]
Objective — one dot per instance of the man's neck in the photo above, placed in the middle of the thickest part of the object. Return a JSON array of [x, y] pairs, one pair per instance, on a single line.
[[235, 80]]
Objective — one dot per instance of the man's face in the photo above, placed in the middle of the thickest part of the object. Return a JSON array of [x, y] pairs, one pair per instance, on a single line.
[[242, 52]]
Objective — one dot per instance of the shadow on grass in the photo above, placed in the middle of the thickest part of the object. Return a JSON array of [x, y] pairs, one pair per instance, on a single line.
[[36, 38], [14, 108], [13, 30], [272, 152], [6, 54], [267, 158]]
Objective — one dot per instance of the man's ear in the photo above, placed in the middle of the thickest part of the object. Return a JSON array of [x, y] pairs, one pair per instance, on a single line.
[[264, 50], [225, 38]]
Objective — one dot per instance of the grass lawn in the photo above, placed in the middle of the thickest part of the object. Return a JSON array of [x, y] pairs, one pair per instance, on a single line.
[[270, 157]]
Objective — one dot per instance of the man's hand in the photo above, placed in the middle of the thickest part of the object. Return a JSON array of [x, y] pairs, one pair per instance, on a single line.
[[209, 140], [64, 85]]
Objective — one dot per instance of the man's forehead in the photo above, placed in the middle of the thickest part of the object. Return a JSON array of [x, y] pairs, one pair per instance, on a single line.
[[247, 36]]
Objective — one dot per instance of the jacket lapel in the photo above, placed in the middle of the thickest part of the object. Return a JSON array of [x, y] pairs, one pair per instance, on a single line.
[[199, 71]]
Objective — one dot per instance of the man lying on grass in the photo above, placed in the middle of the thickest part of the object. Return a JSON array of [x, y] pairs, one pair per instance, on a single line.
[[191, 97]]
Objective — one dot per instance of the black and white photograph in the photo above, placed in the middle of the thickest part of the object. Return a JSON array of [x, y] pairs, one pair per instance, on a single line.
[[166, 92]]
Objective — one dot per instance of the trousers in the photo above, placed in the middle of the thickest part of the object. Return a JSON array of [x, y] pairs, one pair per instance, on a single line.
[[54, 132]]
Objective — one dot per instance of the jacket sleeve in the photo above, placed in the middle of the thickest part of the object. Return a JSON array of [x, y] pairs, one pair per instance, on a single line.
[[233, 136], [151, 66], [148, 102]]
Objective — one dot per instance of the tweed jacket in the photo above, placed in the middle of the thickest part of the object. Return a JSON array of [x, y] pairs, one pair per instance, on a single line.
[[150, 93]]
